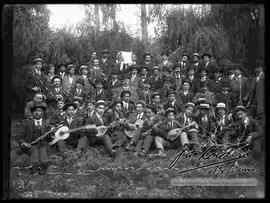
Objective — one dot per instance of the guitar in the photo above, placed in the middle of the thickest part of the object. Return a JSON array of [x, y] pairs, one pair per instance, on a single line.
[[138, 124], [63, 132], [175, 133]]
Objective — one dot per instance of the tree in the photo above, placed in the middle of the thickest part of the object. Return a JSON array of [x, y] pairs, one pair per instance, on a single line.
[[144, 24]]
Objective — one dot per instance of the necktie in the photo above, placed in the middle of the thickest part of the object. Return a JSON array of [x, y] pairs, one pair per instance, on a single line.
[[171, 124], [38, 123]]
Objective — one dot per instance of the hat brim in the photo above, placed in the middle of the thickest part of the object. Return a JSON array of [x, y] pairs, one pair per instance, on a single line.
[[35, 107], [69, 104], [209, 55], [169, 111]]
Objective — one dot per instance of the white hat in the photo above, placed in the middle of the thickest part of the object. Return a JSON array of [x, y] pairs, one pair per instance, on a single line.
[[221, 105], [204, 106]]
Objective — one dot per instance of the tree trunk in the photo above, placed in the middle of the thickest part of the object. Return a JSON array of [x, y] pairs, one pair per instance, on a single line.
[[96, 13], [144, 24]]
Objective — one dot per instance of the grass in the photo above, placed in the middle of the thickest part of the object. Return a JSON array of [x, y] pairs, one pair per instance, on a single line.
[[96, 175]]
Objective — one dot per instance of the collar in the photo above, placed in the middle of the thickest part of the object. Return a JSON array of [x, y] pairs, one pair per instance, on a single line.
[[246, 121], [203, 78], [36, 120], [99, 116]]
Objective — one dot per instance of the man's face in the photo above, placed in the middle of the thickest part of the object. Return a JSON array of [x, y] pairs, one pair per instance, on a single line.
[[202, 74], [118, 56], [164, 57], [186, 86], [133, 58], [62, 69], [170, 116], [196, 59], [148, 58], [139, 108], [96, 63], [221, 111], [156, 99], [100, 109], [126, 97], [60, 104], [241, 115], [189, 111], [38, 65], [51, 70], [146, 87], [149, 112], [114, 76], [203, 89], [105, 55], [57, 82], [206, 58], [144, 71], [118, 107], [156, 72], [203, 111], [37, 113], [84, 71], [77, 103], [177, 69], [134, 71], [38, 97], [237, 72], [71, 71], [70, 111], [91, 106], [126, 82], [171, 97], [191, 72], [217, 75]]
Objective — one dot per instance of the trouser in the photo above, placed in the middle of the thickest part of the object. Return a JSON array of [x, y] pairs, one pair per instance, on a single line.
[[116, 139], [144, 144], [38, 154], [82, 143], [136, 136]]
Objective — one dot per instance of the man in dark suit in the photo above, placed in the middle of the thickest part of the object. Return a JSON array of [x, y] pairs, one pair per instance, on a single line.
[[173, 103], [100, 93], [204, 80], [105, 62], [165, 62], [125, 86], [148, 62], [61, 70], [218, 82], [156, 81], [145, 93], [134, 78], [57, 91], [256, 95], [32, 129], [128, 104], [184, 63], [192, 78], [78, 90], [208, 65], [185, 95], [227, 97], [196, 64]]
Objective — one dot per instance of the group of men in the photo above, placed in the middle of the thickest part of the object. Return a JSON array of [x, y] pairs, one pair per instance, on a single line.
[[142, 104]]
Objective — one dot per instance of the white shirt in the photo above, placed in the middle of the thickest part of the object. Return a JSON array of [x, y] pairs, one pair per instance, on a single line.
[[204, 118], [79, 91], [185, 92], [125, 104], [114, 81], [196, 64], [173, 102], [38, 71], [187, 120], [258, 77], [207, 63], [133, 78], [126, 88], [70, 79], [139, 116], [191, 77], [38, 122], [203, 78], [57, 89], [100, 118], [246, 121], [69, 120], [84, 76]]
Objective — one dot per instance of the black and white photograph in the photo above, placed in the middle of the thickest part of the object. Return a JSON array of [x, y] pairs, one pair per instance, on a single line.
[[137, 101]]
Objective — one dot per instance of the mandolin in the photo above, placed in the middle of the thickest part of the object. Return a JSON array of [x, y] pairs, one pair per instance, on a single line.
[[138, 124], [175, 133]]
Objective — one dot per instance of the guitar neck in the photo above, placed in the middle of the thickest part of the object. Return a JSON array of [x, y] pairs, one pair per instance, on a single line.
[[41, 137]]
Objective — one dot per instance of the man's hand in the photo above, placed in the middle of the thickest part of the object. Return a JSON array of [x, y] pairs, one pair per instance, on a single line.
[[248, 140], [26, 145], [36, 88]]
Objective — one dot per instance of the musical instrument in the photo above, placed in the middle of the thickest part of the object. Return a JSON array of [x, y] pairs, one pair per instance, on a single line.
[[175, 133], [63, 132], [138, 124]]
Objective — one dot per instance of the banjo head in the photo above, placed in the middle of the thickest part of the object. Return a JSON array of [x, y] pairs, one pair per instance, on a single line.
[[61, 133], [174, 132]]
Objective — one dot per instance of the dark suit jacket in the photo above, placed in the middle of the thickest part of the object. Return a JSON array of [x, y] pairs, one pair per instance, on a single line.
[[29, 133], [185, 98], [198, 85], [229, 99], [156, 84], [178, 106], [164, 127], [211, 68], [73, 93], [146, 97], [104, 95], [206, 126], [245, 87]]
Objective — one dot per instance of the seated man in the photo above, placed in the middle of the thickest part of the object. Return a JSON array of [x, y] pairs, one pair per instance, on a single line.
[[59, 114], [128, 105], [146, 138], [161, 132], [76, 139], [172, 102], [247, 134], [33, 128]]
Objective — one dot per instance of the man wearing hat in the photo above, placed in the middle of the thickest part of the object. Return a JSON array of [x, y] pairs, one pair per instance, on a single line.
[[227, 97], [127, 87], [240, 86], [145, 93], [128, 104], [78, 90], [61, 70], [144, 73], [76, 139], [168, 86], [50, 74], [185, 95], [192, 77], [155, 99], [223, 121], [38, 97], [32, 129], [59, 113], [256, 94], [165, 62], [218, 81], [172, 102], [156, 80], [177, 79], [119, 62], [204, 80], [134, 78], [205, 120], [184, 63], [148, 62], [160, 132], [114, 81], [100, 93], [186, 119], [57, 89], [70, 79], [209, 65], [83, 74], [248, 132], [35, 79], [106, 62], [196, 64]]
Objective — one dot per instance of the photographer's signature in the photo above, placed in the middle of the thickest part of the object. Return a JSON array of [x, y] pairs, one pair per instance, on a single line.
[[224, 164]]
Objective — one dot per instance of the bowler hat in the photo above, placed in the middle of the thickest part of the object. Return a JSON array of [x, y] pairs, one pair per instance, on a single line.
[[152, 107], [77, 98], [155, 68], [204, 106], [38, 104], [117, 101], [125, 92], [37, 60], [189, 104], [170, 92], [221, 105], [69, 104], [145, 54], [57, 76], [70, 66], [239, 108], [206, 54], [196, 54], [105, 51], [185, 55], [154, 94], [168, 110], [100, 102], [186, 81]]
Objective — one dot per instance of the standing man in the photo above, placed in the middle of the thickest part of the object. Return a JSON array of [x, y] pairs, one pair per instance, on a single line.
[[61, 70], [145, 93], [173, 103], [57, 89], [165, 62], [185, 95], [105, 62], [156, 81], [135, 80], [196, 64], [208, 65], [148, 62], [70, 79], [184, 63]]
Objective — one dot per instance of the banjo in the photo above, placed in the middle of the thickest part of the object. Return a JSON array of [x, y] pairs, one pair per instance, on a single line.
[[138, 124], [174, 133]]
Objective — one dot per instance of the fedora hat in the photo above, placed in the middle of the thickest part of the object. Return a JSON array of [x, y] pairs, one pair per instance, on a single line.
[[100, 102], [69, 104], [221, 105], [37, 60], [189, 104], [36, 105], [168, 110], [206, 54]]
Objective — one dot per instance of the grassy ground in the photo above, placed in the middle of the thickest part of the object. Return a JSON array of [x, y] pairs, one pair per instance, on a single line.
[[96, 175]]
